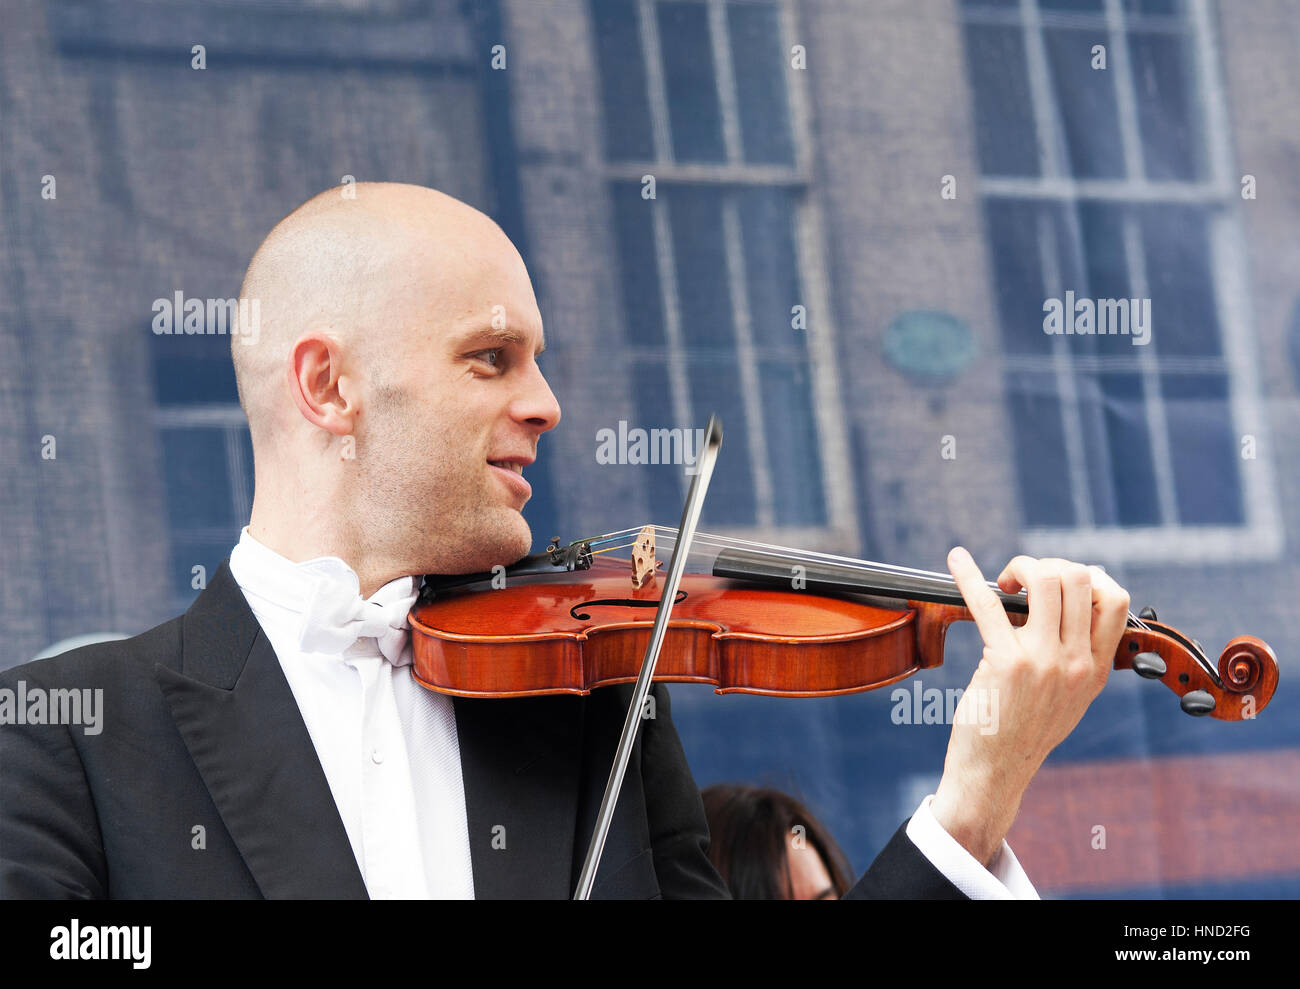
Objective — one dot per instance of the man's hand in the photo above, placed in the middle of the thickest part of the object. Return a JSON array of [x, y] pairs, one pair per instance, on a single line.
[[1042, 677]]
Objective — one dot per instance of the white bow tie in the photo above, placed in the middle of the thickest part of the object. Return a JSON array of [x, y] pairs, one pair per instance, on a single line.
[[337, 616]]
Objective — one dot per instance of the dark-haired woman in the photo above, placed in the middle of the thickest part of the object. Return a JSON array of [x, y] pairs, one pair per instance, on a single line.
[[768, 846]]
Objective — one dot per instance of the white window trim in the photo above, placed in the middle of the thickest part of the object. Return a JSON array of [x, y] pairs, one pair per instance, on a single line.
[[1259, 537]]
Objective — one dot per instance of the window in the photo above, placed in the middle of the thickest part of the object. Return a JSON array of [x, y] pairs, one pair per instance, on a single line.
[[719, 270], [207, 455], [1113, 183]]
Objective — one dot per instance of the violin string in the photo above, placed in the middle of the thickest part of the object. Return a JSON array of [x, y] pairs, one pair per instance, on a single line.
[[810, 556], [705, 539], [627, 537]]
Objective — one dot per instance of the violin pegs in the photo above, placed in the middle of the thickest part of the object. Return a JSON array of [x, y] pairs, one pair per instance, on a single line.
[[1197, 703], [1149, 665], [1148, 614]]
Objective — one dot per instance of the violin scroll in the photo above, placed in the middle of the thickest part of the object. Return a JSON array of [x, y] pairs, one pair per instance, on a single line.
[[1248, 667], [1238, 690]]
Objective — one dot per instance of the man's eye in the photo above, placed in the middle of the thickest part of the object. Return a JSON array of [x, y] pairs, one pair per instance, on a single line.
[[489, 356]]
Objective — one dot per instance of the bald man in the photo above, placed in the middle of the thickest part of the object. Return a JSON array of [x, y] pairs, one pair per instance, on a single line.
[[271, 742]]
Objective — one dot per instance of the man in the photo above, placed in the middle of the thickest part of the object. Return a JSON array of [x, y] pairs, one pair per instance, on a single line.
[[271, 742]]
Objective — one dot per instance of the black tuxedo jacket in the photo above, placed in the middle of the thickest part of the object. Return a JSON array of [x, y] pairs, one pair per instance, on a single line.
[[203, 783]]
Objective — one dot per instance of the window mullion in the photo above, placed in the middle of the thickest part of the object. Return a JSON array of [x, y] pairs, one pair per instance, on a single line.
[[195, 416], [661, 127], [1063, 366], [673, 343], [820, 338], [1149, 365], [797, 90], [1125, 91], [751, 380], [1247, 406], [1216, 134], [725, 77], [1051, 156], [1103, 190]]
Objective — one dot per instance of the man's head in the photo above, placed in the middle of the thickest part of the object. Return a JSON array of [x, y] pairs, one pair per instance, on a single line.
[[394, 365]]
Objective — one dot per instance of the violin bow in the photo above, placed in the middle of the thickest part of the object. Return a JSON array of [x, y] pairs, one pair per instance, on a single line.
[[676, 566]]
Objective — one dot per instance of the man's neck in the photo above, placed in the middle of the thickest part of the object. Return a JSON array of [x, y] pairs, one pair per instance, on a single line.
[[299, 543]]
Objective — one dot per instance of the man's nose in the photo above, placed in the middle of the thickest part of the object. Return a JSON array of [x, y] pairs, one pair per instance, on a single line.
[[536, 403]]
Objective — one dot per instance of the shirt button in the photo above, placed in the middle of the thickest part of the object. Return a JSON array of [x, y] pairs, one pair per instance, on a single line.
[[376, 756]]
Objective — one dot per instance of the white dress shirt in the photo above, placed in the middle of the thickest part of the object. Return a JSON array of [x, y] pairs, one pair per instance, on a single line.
[[387, 745], [389, 749], [1006, 881]]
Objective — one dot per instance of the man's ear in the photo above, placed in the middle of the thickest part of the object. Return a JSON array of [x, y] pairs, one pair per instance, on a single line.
[[312, 374]]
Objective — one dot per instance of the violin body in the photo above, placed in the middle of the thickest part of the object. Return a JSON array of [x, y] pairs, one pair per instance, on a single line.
[[592, 629], [569, 632]]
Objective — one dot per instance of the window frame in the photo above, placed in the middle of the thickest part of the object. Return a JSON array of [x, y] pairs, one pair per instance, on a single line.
[[1259, 536], [840, 528]]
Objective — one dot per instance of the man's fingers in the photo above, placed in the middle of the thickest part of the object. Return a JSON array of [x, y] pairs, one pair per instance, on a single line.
[[1110, 609], [1007, 580], [985, 608], [1076, 609], [1043, 582]]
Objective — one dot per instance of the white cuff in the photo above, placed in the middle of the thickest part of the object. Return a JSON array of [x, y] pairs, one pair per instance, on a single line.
[[1004, 881]]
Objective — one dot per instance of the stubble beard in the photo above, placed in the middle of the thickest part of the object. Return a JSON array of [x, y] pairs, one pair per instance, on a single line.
[[439, 511], [438, 520], [491, 536]]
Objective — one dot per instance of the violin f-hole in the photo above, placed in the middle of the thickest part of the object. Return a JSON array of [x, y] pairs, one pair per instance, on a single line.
[[579, 611]]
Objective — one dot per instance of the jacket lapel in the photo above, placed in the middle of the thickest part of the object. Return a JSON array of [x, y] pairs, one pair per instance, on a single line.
[[237, 715], [520, 760]]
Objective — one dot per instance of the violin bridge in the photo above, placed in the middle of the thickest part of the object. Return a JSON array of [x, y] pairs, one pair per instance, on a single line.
[[643, 556]]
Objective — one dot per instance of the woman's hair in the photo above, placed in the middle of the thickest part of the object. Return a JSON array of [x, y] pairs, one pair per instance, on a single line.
[[748, 827]]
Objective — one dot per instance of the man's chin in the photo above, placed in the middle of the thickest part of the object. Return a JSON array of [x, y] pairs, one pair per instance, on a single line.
[[501, 542], [519, 547], [476, 542]]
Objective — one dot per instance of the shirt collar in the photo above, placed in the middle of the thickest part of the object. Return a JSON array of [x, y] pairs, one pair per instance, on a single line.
[[281, 582]]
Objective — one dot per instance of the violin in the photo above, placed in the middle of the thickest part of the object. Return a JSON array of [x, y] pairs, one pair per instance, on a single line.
[[759, 619]]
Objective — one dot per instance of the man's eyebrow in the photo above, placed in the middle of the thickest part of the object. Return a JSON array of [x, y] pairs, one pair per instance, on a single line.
[[503, 336]]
